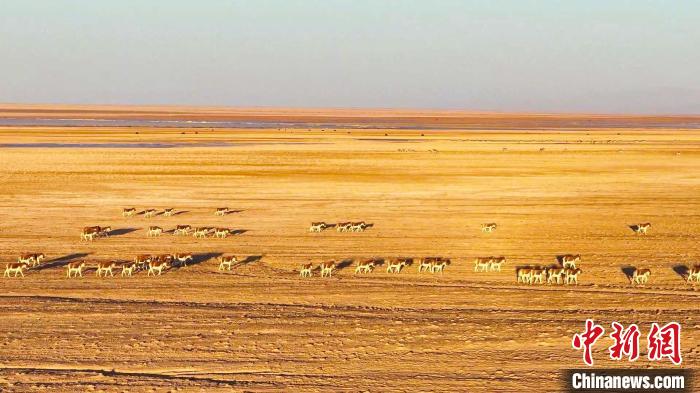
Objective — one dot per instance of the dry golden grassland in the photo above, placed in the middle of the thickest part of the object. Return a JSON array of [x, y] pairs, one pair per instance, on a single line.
[[260, 327]]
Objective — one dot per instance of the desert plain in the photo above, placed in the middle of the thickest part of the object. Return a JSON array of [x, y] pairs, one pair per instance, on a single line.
[[261, 328]]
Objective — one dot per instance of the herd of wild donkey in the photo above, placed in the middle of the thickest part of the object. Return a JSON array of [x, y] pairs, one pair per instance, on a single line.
[[564, 272]]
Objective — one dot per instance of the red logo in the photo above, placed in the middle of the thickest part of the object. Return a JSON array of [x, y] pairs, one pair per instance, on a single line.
[[586, 340], [626, 342], [664, 342]]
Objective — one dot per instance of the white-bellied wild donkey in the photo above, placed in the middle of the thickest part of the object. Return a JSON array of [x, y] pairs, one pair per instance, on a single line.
[[226, 262], [306, 270], [182, 258], [31, 259], [317, 226], [15, 267], [640, 276], [426, 264], [440, 264], [105, 268], [497, 263], [489, 227], [641, 229], [128, 269], [365, 265], [221, 233], [182, 230], [394, 265], [75, 269], [694, 274], [90, 233], [156, 266], [555, 275], [327, 268], [570, 260], [571, 275], [482, 264], [154, 231]]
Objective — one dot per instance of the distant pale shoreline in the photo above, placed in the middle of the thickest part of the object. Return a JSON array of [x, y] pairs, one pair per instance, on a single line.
[[220, 117]]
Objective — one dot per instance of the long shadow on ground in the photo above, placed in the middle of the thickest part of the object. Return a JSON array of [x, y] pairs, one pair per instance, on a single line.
[[628, 271], [343, 264], [682, 270], [61, 261], [122, 231], [201, 258]]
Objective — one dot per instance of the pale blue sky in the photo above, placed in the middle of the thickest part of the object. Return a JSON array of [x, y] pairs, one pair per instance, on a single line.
[[570, 56]]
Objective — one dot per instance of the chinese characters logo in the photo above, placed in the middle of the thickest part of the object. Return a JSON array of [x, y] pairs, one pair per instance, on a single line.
[[663, 342]]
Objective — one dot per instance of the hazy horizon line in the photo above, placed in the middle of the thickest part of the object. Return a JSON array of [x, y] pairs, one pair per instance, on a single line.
[[399, 109]]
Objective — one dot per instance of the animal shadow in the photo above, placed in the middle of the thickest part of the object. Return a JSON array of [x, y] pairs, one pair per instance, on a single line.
[[61, 261], [560, 259], [681, 270], [343, 264], [238, 232], [122, 231], [199, 258], [177, 213], [249, 259], [233, 212], [628, 271], [635, 227]]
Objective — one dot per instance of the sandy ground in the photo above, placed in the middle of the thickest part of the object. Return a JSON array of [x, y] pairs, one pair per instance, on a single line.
[[262, 328]]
